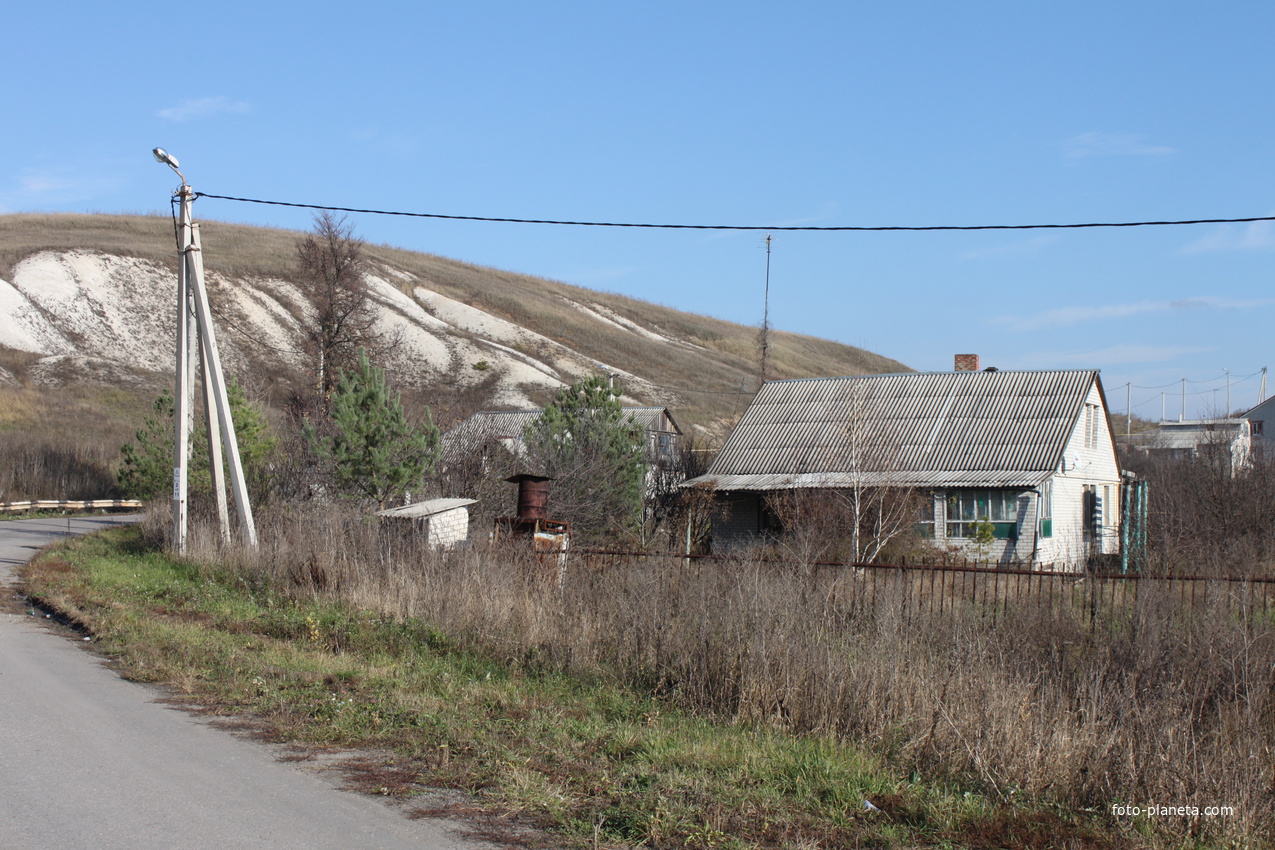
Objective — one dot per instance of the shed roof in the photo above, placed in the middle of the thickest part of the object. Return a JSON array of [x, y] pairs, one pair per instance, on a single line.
[[427, 508], [1005, 428]]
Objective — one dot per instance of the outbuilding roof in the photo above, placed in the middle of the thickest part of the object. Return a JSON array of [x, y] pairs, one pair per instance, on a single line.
[[428, 508], [971, 429]]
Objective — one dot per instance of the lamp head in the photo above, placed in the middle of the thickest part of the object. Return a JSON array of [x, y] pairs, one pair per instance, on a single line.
[[163, 156]]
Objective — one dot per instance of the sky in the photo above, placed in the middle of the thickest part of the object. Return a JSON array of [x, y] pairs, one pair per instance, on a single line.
[[824, 114]]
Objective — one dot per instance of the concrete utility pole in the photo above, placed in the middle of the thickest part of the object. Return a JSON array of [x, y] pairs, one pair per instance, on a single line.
[[195, 338]]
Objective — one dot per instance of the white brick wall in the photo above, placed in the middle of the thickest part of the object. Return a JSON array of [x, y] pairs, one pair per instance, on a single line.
[[447, 528]]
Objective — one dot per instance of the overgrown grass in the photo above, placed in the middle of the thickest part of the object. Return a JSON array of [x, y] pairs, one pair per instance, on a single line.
[[1164, 702], [575, 753]]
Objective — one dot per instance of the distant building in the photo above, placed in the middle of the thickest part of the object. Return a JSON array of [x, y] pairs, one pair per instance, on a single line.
[[505, 429], [1227, 438], [1031, 452], [1261, 422]]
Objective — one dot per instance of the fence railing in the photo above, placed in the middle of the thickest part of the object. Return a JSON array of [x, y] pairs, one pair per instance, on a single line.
[[918, 590], [69, 505]]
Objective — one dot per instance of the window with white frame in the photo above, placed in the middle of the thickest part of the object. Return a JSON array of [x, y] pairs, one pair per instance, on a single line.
[[1092, 420], [1045, 512], [925, 516]]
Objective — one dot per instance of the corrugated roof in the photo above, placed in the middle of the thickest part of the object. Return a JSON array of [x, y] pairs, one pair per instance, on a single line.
[[488, 425], [429, 507], [1004, 428]]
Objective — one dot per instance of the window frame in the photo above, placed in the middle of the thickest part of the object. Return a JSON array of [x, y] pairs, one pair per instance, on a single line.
[[966, 507]]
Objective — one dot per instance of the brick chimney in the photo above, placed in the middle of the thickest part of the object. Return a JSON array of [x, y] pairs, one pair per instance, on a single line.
[[967, 362]]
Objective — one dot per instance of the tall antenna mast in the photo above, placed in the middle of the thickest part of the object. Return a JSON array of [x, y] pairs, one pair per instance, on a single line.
[[765, 316]]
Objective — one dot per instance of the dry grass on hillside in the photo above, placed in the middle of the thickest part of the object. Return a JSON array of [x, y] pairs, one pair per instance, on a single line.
[[62, 442]]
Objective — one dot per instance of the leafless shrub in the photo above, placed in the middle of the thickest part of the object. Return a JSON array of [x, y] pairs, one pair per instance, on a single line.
[[672, 516], [846, 525], [1207, 516], [34, 466]]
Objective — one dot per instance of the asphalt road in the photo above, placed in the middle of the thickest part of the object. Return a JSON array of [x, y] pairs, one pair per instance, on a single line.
[[89, 760]]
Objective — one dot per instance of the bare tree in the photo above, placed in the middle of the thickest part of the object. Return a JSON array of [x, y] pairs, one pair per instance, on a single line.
[[668, 508], [332, 268], [1211, 508], [862, 504]]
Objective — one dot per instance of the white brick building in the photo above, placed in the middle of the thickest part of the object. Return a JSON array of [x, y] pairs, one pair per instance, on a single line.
[[441, 522]]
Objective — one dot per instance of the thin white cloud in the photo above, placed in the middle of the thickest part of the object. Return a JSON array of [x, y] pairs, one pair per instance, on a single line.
[[1088, 145], [39, 188], [1065, 316], [1253, 236], [1104, 357], [196, 109]]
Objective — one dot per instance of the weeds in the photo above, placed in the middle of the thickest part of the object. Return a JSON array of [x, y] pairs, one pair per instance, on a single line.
[[585, 755], [1163, 703]]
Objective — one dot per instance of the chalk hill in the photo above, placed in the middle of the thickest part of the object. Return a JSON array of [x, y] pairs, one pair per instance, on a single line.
[[89, 298]]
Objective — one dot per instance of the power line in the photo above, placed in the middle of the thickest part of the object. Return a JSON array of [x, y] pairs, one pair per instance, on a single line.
[[809, 228], [1234, 380]]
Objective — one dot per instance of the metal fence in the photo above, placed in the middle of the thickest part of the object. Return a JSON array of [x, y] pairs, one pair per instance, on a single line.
[[70, 505], [927, 590]]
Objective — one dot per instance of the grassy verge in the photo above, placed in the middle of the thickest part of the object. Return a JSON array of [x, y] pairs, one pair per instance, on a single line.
[[600, 764]]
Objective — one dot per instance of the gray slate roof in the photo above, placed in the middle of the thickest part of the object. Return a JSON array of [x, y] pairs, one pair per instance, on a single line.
[[488, 425], [428, 508], [957, 429]]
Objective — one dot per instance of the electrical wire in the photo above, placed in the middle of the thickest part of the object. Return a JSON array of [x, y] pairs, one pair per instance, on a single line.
[[810, 228], [787, 228]]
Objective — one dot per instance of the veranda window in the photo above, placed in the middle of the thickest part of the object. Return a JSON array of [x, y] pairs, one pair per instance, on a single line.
[[967, 508]]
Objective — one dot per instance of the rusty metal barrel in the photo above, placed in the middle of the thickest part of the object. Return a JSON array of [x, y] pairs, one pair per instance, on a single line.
[[533, 495]]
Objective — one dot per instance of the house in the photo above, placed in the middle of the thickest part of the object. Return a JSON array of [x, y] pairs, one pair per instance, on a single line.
[[442, 522], [1261, 422], [1230, 440], [505, 428], [1028, 452]]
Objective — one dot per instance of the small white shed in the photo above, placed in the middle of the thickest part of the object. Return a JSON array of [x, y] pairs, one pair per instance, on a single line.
[[443, 522]]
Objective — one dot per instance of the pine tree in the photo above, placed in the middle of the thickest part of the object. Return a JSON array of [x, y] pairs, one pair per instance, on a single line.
[[374, 451], [596, 453], [146, 470]]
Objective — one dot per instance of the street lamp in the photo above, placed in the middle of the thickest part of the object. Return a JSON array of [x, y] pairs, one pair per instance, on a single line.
[[164, 157], [195, 331]]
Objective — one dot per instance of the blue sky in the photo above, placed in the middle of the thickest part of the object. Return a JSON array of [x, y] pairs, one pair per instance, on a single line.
[[806, 113]]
